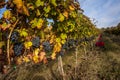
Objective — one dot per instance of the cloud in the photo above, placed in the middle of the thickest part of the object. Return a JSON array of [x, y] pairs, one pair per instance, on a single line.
[[106, 12]]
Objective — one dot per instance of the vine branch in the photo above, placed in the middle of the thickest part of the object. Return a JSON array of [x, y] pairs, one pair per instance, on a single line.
[[8, 41]]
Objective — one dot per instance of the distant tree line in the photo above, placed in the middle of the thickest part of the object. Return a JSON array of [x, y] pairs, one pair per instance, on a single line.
[[113, 30]]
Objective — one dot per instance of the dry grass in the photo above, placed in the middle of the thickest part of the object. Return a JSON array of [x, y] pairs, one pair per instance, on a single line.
[[94, 64]]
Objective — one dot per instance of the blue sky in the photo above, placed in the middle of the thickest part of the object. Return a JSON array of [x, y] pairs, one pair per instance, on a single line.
[[105, 12]]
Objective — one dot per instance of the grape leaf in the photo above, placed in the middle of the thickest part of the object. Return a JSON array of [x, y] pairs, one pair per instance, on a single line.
[[39, 3], [2, 43], [26, 12], [28, 44], [38, 12], [19, 3], [23, 33], [7, 14], [53, 2], [63, 36], [47, 9]]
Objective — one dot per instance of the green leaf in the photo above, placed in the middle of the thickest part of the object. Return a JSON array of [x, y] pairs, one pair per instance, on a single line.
[[39, 3], [23, 33], [61, 17], [47, 9], [4, 24], [58, 40], [54, 2], [34, 23], [63, 36], [42, 34]]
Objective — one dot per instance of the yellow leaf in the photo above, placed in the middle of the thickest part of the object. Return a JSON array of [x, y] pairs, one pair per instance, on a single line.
[[36, 52], [40, 23], [58, 40], [23, 33], [71, 8], [7, 14], [18, 3], [2, 43], [26, 59], [65, 13], [26, 12], [53, 56], [38, 12], [57, 47], [61, 17], [19, 61], [35, 59], [28, 44]]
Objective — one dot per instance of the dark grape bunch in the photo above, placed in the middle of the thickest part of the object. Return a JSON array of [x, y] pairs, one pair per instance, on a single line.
[[71, 43], [36, 42], [65, 46], [62, 52], [18, 47], [47, 46], [14, 37]]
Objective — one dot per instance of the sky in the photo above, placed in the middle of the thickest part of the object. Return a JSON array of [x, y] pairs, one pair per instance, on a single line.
[[105, 12]]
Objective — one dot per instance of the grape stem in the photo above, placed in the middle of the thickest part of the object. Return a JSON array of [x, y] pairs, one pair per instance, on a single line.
[[8, 42]]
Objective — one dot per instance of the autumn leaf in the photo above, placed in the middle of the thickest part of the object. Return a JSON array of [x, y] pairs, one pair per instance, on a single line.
[[7, 14], [36, 51], [26, 12], [61, 17], [5, 26], [53, 2], [23, 33], [40, 23], [39, 3], [53, 56], [63, 36], [47, 9], [28, 44], [42, 55], [71, 8], [2, 43], [26, 59], [65, 13], [38, 12], [35, 59], [18, 3], [45, 60]]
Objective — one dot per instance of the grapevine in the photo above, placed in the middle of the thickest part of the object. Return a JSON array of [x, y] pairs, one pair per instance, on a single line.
[[30, 30]]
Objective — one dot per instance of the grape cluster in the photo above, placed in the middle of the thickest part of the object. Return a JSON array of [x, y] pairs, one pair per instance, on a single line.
[[18, 47], [71, 43], [47, 46], [62, 52], [14, 36], [65, 46], [36, 42]]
